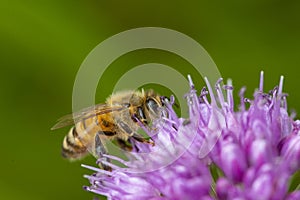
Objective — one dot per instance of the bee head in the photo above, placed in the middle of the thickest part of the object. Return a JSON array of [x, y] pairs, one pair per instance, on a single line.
[[153, 104]]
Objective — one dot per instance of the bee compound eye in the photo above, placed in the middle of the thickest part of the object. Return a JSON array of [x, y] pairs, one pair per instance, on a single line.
[[152, 106]]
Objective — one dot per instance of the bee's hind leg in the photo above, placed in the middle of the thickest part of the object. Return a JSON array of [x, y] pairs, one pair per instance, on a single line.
[[99, 151]]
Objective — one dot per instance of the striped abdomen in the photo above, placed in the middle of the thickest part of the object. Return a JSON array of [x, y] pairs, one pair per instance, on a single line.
[[81, 139], [72, 147]]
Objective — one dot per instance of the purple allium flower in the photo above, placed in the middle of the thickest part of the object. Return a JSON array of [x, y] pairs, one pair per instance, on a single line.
[[215, 154]]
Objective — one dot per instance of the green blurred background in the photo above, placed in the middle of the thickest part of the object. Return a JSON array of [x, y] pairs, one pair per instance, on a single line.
[[43, 44]]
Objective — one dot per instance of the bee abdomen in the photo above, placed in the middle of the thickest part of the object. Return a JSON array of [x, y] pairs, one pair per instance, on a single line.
[[72, 148]]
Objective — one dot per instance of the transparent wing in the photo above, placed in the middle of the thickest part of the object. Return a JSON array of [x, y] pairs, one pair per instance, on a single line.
[[86, 113]]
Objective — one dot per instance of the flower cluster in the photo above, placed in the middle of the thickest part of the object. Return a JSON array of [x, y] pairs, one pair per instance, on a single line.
[[215, 154]]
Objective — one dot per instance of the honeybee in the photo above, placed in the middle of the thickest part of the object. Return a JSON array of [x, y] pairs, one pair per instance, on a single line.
[[118, 119]]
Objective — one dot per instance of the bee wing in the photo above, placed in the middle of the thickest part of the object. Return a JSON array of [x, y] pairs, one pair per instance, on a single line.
[[86, 113]]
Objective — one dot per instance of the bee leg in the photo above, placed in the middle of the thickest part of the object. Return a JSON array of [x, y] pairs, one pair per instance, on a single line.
[[131, 140], [139, 138], [99, 151], [126, 129], [125, 145]]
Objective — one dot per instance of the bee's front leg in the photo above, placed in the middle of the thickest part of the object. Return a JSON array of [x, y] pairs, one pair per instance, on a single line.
[[139, 138], [125, 145], [143, 125]]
